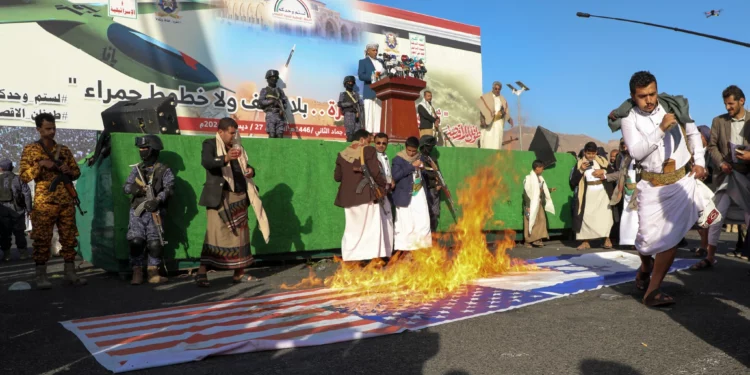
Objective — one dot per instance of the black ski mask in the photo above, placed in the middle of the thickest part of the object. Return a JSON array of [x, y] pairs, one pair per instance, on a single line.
[[272, 81], [149, 156], [149, 146], [349, 83]]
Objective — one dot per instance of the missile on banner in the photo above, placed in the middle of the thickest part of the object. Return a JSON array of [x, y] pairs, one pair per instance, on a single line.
[[290, 56]]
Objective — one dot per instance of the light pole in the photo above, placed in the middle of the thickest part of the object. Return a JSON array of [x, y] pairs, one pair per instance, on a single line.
[[518, 92], [586, 15]]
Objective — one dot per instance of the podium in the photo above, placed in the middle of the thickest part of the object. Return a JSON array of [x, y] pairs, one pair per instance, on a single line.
[[398, 116]]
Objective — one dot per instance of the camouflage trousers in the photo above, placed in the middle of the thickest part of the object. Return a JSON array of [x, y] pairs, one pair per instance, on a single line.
[[143, 237], [351, 125], [275, 124], [44, 217]]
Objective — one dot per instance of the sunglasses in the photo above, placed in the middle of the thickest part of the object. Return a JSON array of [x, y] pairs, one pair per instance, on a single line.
[[381, 143]]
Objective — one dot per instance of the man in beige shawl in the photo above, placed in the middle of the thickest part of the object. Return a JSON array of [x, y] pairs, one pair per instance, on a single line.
[[536, 200], [592, 217], [227, 194], [493, 113]]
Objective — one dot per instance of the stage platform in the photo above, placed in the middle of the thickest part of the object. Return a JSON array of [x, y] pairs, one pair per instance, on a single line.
[[295, 178]]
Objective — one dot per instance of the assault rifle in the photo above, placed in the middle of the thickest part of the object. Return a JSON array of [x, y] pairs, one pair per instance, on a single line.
[[510, 140], [441, 181], [443, 135], [369, 180], [355, 102], [62, 178], [281, 104], [149, 196]]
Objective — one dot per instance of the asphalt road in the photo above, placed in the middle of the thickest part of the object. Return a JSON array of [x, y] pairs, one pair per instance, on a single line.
[[707, 332]]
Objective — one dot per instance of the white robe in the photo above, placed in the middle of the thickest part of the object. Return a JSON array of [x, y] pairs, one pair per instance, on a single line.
[[372, 115], [670, 212], [413, 224], [386, 209], [665, 213], [597, 214], [364, 233], [492, 137], [531, 186], [629, 218], [372, 106]]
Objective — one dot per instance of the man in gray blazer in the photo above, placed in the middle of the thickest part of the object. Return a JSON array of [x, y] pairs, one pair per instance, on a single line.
[[730, 132]]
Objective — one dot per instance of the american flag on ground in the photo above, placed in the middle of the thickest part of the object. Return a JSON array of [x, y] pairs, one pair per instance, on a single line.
[[300, 318]]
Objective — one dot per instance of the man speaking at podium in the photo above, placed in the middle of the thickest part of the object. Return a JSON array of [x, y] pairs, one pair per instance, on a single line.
[[368, 67]]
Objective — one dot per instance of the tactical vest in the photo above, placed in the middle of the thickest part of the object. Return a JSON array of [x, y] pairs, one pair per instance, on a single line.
[[6, 186], [157, 183]]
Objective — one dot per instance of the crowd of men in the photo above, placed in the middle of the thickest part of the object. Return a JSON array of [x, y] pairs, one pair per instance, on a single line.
[[653, 190], [389, 207], [13, 139], [648, 194]]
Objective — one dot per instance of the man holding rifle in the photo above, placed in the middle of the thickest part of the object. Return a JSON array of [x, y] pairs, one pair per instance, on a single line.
[[53, 168], [150, 184], [432, 179], [361, 194], [412, 226], [273, 103]]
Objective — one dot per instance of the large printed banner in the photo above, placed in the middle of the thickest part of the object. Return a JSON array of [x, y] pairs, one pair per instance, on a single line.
[[75, 59]]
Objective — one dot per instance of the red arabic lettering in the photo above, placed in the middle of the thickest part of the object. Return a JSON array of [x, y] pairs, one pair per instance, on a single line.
[[461, 132], [334, 110]]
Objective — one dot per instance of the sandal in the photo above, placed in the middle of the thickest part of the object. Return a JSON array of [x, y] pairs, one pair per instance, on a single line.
[[537, 244], [701, 252], [607, 244], [642, 279], [244, 279], [584, 246], [202, 280], [658, 298], [703, 264]]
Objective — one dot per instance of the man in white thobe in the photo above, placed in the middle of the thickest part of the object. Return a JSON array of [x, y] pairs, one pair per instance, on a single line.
[[669, 198], [493, 113], [369, 68], [728, 132]]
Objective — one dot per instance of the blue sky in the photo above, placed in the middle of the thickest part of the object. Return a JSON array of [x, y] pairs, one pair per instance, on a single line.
[[578, 69]]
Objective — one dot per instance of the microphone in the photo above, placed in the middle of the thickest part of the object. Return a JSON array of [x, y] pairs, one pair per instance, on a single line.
[[583, 15]]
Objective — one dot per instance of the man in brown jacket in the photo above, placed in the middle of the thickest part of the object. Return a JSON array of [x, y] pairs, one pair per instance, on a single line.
[[730, 132], [365, 232]]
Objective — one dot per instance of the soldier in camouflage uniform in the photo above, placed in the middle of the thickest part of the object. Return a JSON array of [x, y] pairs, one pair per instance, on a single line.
[[143, 232], [351, 105], [430, 179], [273, 103], [15, 203], [44, 161]]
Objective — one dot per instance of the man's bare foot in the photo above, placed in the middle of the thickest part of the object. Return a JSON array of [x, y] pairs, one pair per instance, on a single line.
[[607, 243], [584, 245]]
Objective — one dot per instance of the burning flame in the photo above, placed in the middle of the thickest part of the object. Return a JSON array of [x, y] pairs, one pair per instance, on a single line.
[[432, 273]]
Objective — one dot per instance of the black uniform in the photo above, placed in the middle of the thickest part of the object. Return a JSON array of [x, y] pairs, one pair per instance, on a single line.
[[15, 203], [143, 231], [273, 102]]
